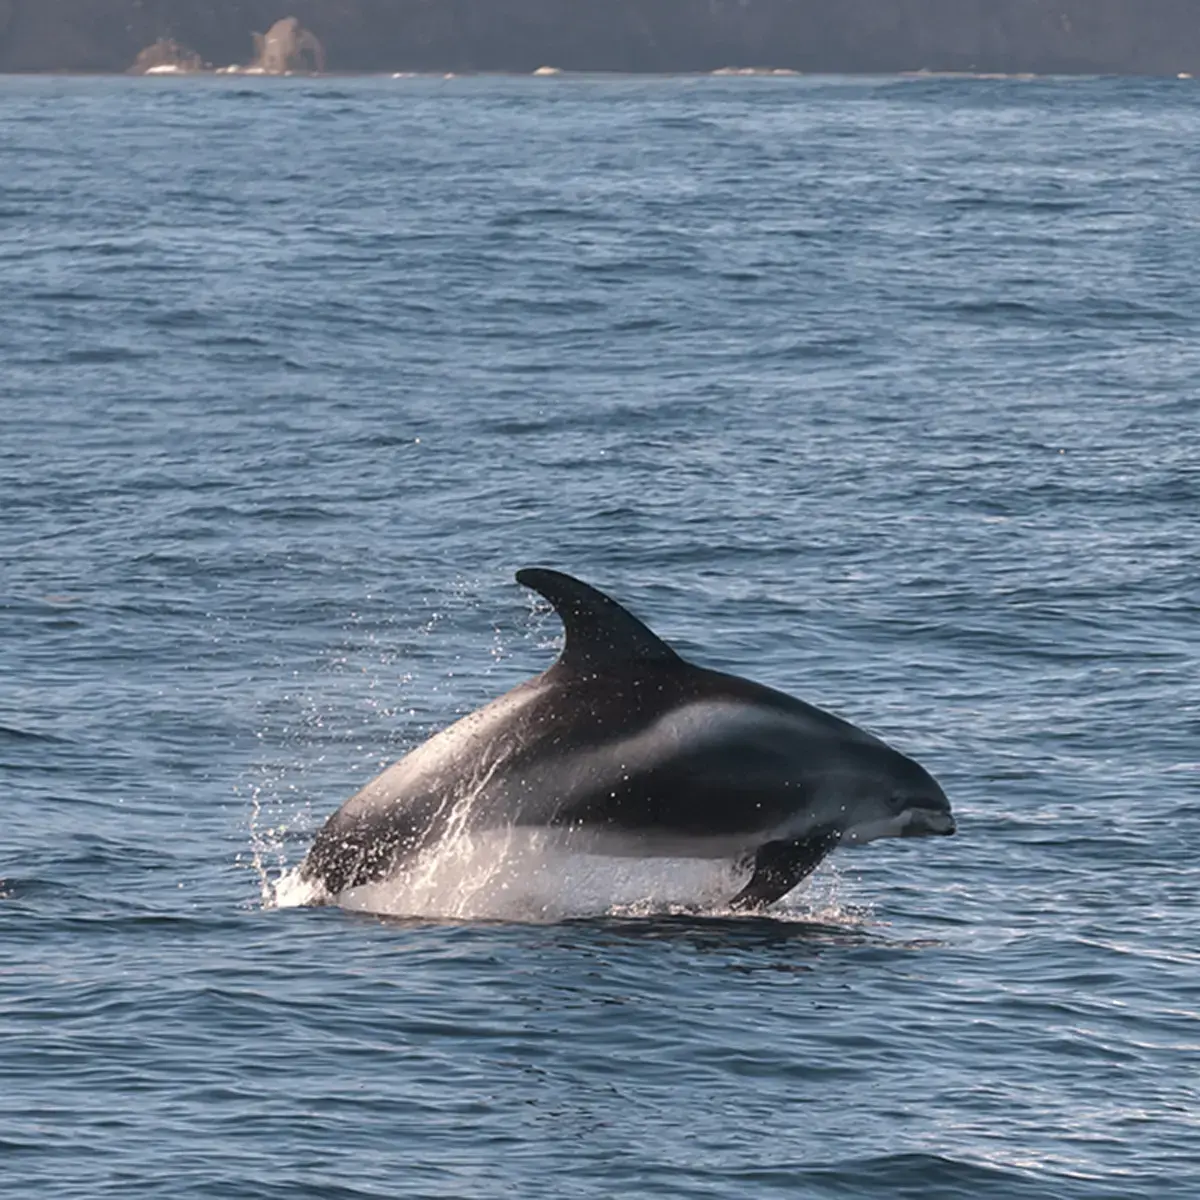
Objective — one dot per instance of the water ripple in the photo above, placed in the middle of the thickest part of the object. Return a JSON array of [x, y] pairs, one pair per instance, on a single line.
[[880, 391]]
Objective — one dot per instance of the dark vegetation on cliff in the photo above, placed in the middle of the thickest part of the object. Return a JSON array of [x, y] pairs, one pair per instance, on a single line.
[[1119, 36]]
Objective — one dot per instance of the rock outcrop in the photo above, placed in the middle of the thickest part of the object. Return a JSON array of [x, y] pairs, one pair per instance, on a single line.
[[166, 57], [1146, 37], [287, 46]]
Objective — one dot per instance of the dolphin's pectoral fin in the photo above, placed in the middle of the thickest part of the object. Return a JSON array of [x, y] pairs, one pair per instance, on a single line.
[[779, 866]]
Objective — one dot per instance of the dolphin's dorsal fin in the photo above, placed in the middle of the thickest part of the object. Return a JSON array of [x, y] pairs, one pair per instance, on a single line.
[[599, 631]]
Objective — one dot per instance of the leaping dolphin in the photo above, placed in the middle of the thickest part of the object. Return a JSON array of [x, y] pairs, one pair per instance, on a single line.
[[625, 748]]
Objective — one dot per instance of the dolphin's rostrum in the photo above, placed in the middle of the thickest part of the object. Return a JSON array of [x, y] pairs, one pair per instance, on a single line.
[[624, 748]]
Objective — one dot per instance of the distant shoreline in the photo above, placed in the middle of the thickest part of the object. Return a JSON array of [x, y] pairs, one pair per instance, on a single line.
[[1151, 38], [776, 75]]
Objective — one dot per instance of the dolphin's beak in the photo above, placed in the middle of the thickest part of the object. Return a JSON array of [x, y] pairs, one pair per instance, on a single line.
[[929, 822]]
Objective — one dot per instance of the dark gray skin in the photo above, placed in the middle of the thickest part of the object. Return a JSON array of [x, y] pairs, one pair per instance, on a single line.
[[625, 748]]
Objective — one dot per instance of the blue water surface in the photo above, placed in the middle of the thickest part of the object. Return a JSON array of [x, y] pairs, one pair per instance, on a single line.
[[882, 392]]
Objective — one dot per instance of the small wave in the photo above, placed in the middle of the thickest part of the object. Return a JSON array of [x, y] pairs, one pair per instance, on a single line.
[[639, 324], [386, 441], [909, 1174], [233, 339], [543, 215], [629, 416], [103, 354], [637, 267], [788, 925], [299, 513], [689, 122], [12, 734], [1029, 204], [63, 296], [994, 308], [179, 318]]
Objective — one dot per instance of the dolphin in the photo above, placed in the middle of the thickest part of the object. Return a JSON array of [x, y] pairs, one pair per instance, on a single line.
[[624, 748]]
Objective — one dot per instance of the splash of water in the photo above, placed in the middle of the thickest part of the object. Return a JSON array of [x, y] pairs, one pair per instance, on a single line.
[[267, 856], [340, 725], [529, 875]]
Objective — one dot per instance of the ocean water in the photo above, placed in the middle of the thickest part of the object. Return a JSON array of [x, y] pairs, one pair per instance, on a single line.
[[884, 392]]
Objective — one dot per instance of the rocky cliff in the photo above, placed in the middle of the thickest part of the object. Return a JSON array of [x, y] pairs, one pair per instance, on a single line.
[[1153, 37]]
